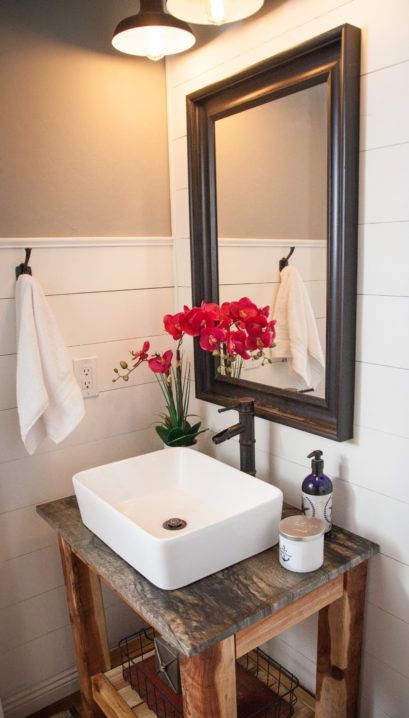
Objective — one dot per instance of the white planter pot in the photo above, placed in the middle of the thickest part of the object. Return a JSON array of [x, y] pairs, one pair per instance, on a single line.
[[194, 446]]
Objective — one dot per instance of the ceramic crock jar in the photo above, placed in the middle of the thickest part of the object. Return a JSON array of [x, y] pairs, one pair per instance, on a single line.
[[301, 543]]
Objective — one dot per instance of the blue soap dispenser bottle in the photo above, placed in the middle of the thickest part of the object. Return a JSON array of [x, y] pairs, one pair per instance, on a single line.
[[317, 492]]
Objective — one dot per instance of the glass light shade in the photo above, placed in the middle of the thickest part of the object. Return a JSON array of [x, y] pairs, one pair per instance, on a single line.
[[152, 34], [213, 12]]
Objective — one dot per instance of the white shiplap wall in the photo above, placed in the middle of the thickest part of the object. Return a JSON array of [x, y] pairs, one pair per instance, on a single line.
[[370, 471], [107, 296]]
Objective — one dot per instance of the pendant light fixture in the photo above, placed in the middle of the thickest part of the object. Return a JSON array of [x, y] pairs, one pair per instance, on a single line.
[[152, 33], [213, 12]]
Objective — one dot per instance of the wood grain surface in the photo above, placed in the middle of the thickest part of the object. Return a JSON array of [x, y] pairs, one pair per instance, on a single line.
[[340, 630], [140, 709], [198, 616], [109, 700], [302, 608], [209, 682], [88, 626]]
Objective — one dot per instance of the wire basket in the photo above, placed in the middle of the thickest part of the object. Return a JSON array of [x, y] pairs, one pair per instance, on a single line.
[[138, 649], [265, 689], [278, 679]]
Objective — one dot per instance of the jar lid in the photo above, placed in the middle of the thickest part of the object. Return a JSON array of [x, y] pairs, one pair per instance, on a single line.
[[301, 528]]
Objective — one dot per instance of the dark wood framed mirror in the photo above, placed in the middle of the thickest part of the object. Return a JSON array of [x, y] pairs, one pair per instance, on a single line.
[[258, 186]]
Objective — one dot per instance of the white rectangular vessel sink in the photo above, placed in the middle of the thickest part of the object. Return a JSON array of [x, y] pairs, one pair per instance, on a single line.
[[229, 515]]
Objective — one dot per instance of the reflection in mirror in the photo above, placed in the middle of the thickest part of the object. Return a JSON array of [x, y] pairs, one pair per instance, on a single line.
[[271, 178]]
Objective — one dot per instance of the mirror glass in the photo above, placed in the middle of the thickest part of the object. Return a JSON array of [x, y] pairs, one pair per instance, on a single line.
[[271, 196]]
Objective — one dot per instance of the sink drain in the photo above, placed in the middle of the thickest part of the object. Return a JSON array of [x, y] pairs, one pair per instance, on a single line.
[[174, 524]]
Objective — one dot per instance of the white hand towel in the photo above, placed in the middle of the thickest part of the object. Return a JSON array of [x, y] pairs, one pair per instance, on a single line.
[[49, 400], [297, 337]]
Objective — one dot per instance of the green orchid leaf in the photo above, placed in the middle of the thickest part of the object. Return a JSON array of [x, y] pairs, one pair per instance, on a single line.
[[176, 433], [195, 428], [177, 437], [162, 433]]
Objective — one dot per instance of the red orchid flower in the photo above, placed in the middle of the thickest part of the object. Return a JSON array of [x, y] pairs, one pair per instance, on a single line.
[[226, 320], [236, 344], [211, 337], [243, 309], [256, 323], [212, 310], [161, 364], [259, 339], [142, 354], [271, 326], [197, 319], [225, 309], [174, 324]]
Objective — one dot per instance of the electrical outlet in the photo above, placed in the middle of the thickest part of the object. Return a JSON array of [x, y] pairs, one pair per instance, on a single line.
[[85, 371]]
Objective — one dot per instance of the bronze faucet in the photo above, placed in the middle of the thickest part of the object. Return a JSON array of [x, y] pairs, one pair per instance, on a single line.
[[245, 429]]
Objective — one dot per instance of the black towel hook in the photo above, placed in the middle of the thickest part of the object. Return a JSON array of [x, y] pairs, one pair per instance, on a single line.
[[24, 268], [284, 260]]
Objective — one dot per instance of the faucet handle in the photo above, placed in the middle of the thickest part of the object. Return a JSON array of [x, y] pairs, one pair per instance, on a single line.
[[244, 404], [227, 408]]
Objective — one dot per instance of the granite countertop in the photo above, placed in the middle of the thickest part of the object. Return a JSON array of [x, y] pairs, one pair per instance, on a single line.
[[202, 614]]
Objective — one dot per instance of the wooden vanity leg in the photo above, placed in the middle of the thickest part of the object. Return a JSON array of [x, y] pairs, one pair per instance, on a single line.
[[88, 626], [340, 631], [209, 682]]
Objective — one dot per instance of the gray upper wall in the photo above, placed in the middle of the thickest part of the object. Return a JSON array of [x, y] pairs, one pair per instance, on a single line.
[[271, 163], [83, 128]]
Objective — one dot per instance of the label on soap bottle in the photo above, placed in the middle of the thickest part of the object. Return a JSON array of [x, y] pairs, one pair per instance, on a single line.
[[318, 507]]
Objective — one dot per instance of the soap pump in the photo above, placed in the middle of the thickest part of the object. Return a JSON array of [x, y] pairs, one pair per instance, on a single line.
[[317, 492]]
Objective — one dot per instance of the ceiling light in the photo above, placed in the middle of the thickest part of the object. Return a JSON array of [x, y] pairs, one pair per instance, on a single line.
[[152, 33], [213, 12]]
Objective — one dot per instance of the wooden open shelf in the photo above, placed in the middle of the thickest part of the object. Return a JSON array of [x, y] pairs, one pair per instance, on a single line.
[[117, 699]]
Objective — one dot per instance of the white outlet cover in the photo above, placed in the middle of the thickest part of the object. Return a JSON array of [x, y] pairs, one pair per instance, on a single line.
[[86, 374]]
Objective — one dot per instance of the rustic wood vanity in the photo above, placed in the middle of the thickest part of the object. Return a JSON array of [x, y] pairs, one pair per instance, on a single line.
[[214, 621]]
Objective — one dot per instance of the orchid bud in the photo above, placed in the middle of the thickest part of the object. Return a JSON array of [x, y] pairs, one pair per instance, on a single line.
[[123, 364]]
